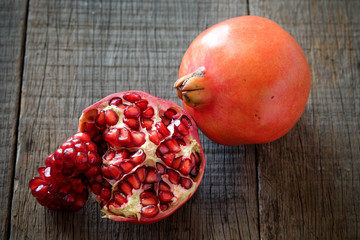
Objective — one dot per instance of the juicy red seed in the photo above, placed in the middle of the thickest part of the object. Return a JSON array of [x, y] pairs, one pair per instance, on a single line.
[[162, 149], [154, 137], [111, 117], [171, 113], [93, 158], [160, 168], [196, 158], [138, 157], [116, 173], [124, 137], [173, 145], [90, 128], [186, 121], [120, 198], [162, 129], [41, 171], [106, 171], [36, 182], [93, 171], [150, 211], [152, 176], [176, 163], [147, 123], [148, 113], [105, 194], [132, 97], [148, 201], [96, 188], [123, 106], [84, 137], [165, 197], [186, 183], [164, 207], [79, 147], [134, 181], [148, 186], [168, 159], [126, 166], [141, 173], [174, 177], [133, 123], [49, 160], [186, 166], [142, 104], [165, 121], [138, 138], [181, 142], [179, 126], [147, 194], [112, 136], [163, 186], [116, 101], [81, 161], [126, 188], [122, 154], [91, 147], [59, 154], [132, 112], [67, 144], [100, 119], [194, 172]]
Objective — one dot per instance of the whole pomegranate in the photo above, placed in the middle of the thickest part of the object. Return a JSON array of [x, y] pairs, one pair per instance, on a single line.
[[244, 81], [151, 160]]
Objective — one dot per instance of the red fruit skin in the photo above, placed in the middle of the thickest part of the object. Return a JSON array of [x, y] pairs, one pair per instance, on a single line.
[[257, 80], [193, 132]]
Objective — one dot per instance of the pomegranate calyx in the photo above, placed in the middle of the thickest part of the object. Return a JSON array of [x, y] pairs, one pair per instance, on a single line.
[[192, 90]]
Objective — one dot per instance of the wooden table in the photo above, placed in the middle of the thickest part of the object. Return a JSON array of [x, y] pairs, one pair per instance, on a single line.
[[57, 57]]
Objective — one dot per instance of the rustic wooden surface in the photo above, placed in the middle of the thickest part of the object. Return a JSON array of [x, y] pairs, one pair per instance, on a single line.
[[57, 57]]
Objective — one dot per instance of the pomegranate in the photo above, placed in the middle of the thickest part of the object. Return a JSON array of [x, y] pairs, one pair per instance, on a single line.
[[244, 81], [151, 160]]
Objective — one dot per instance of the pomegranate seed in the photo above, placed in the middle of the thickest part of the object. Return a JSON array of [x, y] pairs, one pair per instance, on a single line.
[[179, 126], [116, 173], [151, 176], [120, 198], [164, 207], [186, 183], [155, 137], [165, 197], [41, 171], [194, 172], [171, 113], [126, 166], [81, 162], [148, 186], [111, 117], [105, 194], [162, 129], [132, 112], [50, 160], [123, 106], [100, 119], [150, 211], [142, 104], [168, 158], [94, 158], [186, 166], [93, 171], [58, 155], [181, 142], [138, 138], [134, 181], [126, 188], [67, 144], [132, 97], [138, 157], [115, 101], [91, 147], [124, 137], [79, 147], [148, 201], [96, 188], [147, 123], [173, 145], [160, 168], [106, 172], [163, 186], [90, 128], [36, 182], [186, 121], [147, 194], [84, 137], [165, 121], [112, 136], [148, 113], [162, 149], [141, 172], [196, 158], [176, 163], [133, 123], [122, 154], [174, 177]]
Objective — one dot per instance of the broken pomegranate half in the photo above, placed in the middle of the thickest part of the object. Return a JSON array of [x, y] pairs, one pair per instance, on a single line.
[[151, 160]]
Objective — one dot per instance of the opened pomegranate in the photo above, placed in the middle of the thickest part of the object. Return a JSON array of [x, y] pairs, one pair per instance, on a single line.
[[152, 160], [244, 81]]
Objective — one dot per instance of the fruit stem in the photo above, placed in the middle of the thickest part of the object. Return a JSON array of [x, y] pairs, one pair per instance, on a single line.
[[191, 88]]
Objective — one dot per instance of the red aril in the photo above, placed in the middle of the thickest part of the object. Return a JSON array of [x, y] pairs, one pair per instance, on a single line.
[[244, 81], [133, 180]]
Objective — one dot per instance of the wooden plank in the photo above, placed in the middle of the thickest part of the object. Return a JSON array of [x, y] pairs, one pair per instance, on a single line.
[[12, 25], [309, 180], [78, 52]]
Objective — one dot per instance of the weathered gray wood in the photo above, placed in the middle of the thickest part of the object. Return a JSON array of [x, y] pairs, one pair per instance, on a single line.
[[12, 24], [77, 52], [309, 180]]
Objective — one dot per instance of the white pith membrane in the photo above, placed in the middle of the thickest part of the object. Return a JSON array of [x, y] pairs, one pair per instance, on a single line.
[[133, 207]]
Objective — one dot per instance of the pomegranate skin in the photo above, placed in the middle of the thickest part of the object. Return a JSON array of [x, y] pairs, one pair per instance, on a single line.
[[255, 81]]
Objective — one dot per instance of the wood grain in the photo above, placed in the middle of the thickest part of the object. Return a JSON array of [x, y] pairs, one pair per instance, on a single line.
[[12, 25], [77, 52], [309, 180]]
